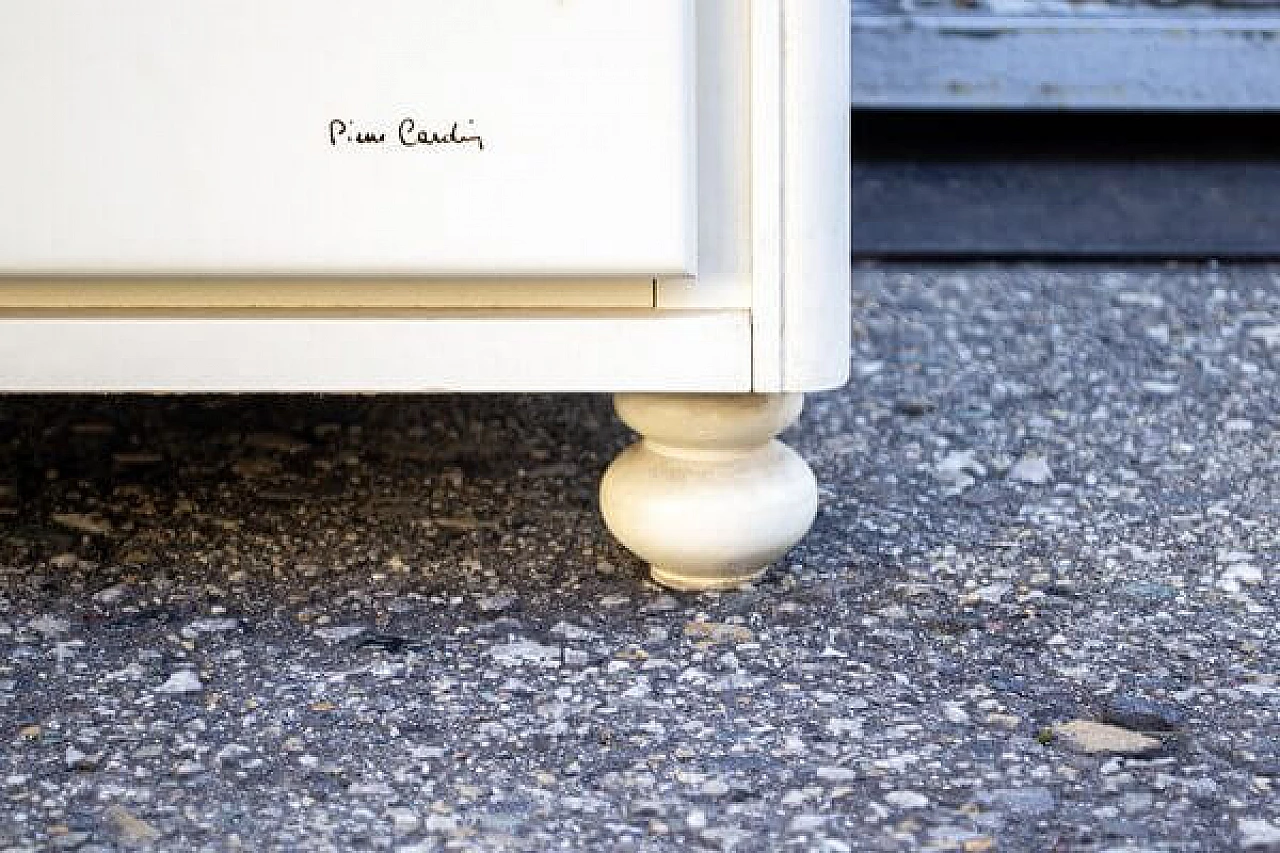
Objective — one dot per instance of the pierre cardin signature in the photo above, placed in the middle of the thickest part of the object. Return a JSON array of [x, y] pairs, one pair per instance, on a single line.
[[409, 133]]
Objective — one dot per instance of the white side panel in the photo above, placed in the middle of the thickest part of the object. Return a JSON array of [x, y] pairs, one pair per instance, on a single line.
[[679, 351], [816, 196], [442, 137], [774, 180], [768, 137]]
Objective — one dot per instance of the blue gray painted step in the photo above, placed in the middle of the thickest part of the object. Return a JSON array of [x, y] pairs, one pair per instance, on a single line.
[[1053, 55]]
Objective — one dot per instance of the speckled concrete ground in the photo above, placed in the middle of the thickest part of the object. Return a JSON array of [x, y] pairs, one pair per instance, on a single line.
[[1037, 612]]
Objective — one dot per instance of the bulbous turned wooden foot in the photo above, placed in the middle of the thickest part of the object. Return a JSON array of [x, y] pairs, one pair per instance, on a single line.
[[708, 497]]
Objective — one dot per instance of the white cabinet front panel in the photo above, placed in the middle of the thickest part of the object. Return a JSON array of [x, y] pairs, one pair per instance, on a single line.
[[415, 137]]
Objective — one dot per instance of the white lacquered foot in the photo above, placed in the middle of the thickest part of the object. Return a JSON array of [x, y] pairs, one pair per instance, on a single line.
[[708, 497]]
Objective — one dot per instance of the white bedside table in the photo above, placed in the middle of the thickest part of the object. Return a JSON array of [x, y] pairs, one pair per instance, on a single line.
[[446, 195]]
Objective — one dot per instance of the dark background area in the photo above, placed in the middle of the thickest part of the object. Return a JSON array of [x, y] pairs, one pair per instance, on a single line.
[[1065, 184]]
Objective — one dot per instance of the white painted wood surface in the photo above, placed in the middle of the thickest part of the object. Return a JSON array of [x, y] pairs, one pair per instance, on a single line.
[[330, 137], [816, 234], [725, 102], [774, 184], [767, 309], [768, 148], [630, 351]]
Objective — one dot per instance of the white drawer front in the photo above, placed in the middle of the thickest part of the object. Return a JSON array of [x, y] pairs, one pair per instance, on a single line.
[[422, 137]]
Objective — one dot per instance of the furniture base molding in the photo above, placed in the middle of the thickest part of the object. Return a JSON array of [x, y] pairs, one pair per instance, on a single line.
[[708, 497], [352, 352]]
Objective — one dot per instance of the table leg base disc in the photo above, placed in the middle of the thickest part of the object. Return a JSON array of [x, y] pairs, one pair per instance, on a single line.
[[680, 581]]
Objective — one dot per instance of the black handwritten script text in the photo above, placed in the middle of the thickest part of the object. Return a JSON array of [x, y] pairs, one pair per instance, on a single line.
[[408, 134]]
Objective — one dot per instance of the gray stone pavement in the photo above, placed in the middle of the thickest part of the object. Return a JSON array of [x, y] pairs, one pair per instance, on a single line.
[[1037, 612]]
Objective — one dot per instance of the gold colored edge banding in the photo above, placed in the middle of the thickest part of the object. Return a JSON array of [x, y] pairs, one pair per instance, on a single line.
[[77, 295]]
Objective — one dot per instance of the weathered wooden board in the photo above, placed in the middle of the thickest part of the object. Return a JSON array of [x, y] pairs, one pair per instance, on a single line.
[[1047, 55]]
